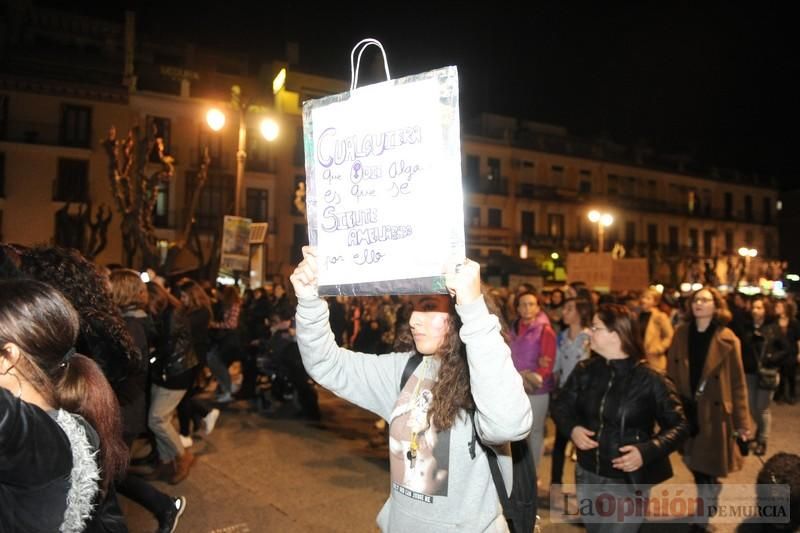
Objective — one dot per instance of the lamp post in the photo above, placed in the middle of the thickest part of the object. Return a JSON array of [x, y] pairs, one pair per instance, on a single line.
[[603, 220], [268, 127]]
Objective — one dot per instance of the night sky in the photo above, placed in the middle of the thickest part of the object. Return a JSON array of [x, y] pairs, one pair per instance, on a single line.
[[715, 82]]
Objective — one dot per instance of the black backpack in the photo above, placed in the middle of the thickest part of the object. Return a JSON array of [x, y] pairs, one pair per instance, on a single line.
[[520, 506]]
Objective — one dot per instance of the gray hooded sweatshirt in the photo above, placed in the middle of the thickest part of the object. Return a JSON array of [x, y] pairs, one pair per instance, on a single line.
[[443, 488]]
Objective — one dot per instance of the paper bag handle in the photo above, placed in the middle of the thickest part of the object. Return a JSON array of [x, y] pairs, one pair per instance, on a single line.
[[364, 44]]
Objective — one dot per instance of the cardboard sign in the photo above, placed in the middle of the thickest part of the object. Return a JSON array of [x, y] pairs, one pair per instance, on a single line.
[[603, 273], [383, 194], [235, 244]]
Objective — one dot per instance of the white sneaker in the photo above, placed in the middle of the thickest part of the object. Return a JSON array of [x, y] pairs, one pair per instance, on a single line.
[[210, 420], [225, 397], [186, 441]]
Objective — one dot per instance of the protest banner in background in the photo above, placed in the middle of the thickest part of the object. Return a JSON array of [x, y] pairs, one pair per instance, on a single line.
[[601, 272], [383, 194], [235, 244]]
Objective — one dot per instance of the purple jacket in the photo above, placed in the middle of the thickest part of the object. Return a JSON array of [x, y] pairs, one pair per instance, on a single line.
[[533, 348]]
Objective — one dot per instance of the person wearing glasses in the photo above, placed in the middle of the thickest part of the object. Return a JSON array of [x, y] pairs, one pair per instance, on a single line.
[[705, 362], [609, 407]]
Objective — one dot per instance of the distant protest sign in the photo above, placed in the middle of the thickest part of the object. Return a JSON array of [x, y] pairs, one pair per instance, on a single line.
[[235, 244], [601, 272], [383, 194]]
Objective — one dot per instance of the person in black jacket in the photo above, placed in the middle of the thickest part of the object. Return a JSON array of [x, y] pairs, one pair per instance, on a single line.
[[764, 348], [61, 443], [609, 407], [172, 374], [129, 293]]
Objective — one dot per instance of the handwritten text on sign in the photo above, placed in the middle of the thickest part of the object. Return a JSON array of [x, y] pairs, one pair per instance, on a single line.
[[384, 180]]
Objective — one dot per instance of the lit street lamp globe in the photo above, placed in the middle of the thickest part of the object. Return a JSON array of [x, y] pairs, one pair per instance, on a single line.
[[269, 129], [215, 119]]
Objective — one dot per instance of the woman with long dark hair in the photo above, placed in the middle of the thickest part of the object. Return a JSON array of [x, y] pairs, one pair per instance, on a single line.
[[227, 344], [705, 362], [573, 347], [439, 481], [129, 293], [51, 476], [786, 318], [764, 349], [609, 407], [197, 308], [172, 373]]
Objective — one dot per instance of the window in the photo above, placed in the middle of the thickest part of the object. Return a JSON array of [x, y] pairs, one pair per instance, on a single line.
[[748, 237], [259, 153], [629, 186], [585, 173], [159, 129], [708, 242], [72, 181], [161, 211], [585, 187], [729, 241], [528, 164], [767, 211], [76, 126], [472, 172], [495, 218], [652, 189], [705, 203], [693, 240], [555, 226], [673, 239], [216, 198], [473, 216], [630, 234], [557, 173], [748, 208], [652, 236], [494, 169], [613, 183], [257, 204], [528, 224], [691, 201], [2, 175], [728, 205]]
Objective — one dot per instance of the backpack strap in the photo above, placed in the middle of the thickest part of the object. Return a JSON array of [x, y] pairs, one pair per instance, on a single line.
[[494, 468], [411, 365]]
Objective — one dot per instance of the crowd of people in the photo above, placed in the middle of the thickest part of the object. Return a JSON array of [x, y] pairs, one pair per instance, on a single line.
[[94, 362]]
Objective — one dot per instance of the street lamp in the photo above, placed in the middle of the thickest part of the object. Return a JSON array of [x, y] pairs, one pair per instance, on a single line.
[[268, 127], [603, 220]]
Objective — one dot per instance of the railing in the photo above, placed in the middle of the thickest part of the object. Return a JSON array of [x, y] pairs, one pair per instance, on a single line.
[[29, 132], [483, 185]]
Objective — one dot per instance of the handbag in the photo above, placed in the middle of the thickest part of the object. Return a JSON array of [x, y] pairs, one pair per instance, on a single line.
[[768, 378]]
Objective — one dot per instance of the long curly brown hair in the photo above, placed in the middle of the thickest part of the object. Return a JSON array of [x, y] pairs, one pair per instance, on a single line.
[[452, 392]]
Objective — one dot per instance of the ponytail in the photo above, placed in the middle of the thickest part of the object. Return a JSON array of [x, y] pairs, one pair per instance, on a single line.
[[84, 390]]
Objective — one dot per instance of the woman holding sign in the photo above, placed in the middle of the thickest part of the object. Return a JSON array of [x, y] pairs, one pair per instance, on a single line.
[[439, 481]]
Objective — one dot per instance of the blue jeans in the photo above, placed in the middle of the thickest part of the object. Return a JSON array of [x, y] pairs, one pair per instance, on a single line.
[[162, 406], [591, 486]]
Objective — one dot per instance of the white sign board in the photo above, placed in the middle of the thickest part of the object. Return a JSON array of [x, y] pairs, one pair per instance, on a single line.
[[383, 195], [235, 244]]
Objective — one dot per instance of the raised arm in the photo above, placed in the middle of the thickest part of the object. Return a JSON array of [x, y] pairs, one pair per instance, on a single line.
[[366, 380], [502, 409]]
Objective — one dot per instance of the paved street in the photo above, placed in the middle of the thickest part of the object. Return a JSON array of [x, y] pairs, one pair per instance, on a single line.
[[257, 475]]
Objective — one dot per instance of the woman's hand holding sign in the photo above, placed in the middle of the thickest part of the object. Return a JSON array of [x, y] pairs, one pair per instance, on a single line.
[[464, 282], [304, 278]]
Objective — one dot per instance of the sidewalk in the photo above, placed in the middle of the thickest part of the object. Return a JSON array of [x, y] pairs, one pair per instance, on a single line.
[[256, 475]]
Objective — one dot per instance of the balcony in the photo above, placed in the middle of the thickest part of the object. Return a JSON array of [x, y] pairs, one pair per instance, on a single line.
[[28, 132], [486, 185]]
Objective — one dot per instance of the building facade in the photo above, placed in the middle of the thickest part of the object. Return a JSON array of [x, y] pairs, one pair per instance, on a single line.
[[66, 79], [532, 184]]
